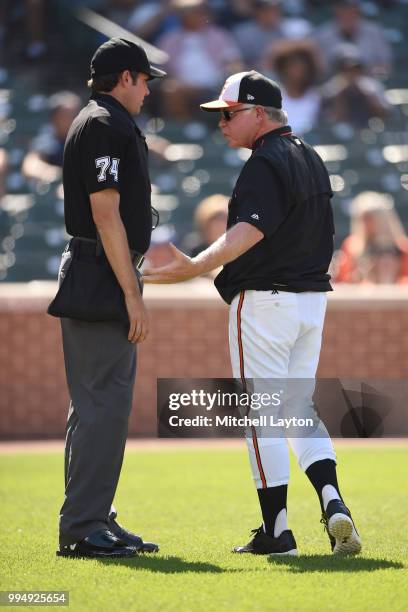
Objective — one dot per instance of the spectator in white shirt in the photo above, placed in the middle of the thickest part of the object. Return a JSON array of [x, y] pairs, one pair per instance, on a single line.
[[297, 66]]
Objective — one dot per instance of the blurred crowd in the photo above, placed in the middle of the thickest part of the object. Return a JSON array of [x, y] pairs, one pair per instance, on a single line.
[[333, 72], [376, 250]]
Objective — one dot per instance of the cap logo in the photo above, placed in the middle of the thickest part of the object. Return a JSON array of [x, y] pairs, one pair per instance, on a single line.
[[249, 97]]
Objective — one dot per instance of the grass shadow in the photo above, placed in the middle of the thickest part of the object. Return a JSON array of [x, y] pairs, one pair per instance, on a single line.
[[331, 563], [165, 565]]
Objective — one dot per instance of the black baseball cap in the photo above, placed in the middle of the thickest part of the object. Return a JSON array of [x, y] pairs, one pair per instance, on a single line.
[[118, 54], [247, 88]]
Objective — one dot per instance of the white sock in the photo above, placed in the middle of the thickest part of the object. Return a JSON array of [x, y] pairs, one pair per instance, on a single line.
[[328, 493], [281, 523]]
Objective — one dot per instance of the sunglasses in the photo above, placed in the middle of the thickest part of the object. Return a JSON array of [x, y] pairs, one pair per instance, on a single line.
[[227, 115], [155, 218]]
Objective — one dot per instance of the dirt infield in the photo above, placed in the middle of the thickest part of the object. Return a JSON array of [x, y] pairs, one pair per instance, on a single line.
[[155, 444]]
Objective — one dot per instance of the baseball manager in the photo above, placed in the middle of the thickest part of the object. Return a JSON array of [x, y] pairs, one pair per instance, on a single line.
[[275, 256]]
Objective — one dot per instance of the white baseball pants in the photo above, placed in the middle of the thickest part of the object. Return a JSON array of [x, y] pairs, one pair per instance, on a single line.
[[278, 336]]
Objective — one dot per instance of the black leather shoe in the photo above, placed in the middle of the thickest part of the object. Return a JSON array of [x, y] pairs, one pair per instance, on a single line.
[[262, 544], [129, 538], [99, 544]]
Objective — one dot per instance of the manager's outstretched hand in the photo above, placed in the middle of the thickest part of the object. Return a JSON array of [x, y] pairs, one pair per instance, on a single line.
[[182, 268], [237, 240]]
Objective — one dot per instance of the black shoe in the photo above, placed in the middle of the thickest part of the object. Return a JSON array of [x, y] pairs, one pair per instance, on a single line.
[[129, 538], [262, 544], [343, 536], [99, 544]]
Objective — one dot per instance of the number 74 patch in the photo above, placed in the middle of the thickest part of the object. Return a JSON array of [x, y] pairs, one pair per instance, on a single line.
[[106, 164]]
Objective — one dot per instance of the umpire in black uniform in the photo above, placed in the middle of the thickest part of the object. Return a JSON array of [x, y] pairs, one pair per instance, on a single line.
[[107, 197]]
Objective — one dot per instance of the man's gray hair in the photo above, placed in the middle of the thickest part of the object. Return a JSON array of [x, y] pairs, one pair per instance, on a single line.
[[277, 115]]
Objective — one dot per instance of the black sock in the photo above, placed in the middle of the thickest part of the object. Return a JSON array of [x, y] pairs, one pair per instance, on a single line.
[[272, 500], [322, 473]]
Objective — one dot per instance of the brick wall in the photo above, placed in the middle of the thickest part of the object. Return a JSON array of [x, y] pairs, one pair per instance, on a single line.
[[366, 335]]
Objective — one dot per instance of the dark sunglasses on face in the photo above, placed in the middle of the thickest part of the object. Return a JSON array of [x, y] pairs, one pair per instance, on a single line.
[[227, 115], [155, 218]]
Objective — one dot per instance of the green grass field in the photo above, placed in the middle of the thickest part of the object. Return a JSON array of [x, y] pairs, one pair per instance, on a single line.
[[198, 504]]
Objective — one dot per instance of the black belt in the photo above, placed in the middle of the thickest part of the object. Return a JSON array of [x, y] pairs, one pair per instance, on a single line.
[[89, 246]]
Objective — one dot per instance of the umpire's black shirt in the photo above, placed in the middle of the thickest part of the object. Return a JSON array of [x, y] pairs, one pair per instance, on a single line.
[[284, 191], [105, 149]]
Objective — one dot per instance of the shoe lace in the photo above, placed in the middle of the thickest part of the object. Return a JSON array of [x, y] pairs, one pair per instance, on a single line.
[[257, 531], [325, 522], [112, 536]]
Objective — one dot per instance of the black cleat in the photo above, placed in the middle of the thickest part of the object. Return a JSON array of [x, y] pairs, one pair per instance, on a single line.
[[262, 544], [100, 544], [129, 538], [343, 536]]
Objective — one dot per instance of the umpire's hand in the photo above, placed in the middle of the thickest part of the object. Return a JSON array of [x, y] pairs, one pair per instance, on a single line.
[[138, 318]]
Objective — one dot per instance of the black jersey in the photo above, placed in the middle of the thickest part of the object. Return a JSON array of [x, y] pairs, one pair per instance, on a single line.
[[284, 191], [106, 150]]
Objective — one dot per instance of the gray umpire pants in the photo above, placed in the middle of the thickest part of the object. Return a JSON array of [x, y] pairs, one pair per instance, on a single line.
[[100, 366]]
